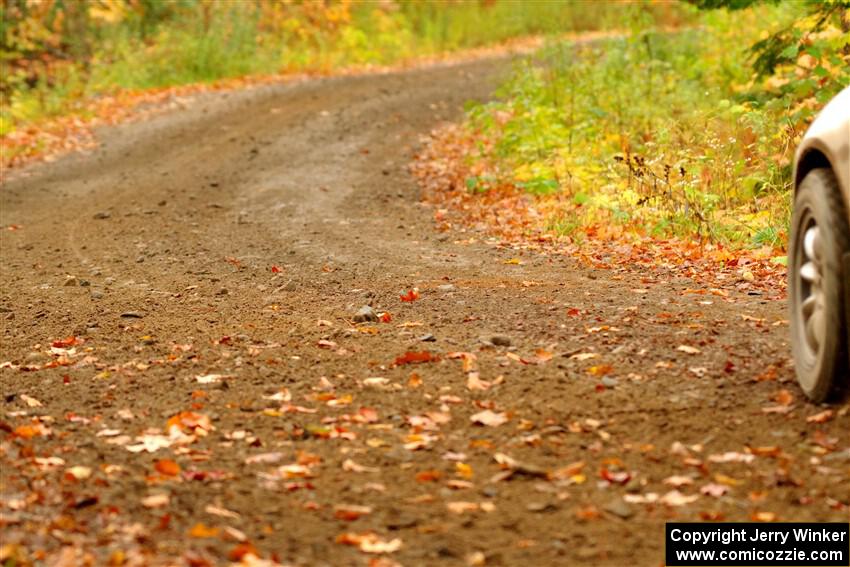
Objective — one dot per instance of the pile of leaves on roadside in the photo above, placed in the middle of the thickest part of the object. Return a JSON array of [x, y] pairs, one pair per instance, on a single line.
[[514, 218]]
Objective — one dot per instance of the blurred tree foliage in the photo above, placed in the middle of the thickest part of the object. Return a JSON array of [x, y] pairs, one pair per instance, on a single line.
[[806, 62], [38, 36]]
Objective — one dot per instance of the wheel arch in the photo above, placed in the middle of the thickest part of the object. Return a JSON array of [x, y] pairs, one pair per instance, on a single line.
[[814, 158]]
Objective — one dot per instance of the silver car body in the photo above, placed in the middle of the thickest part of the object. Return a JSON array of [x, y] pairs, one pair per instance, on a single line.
[[827, 144]]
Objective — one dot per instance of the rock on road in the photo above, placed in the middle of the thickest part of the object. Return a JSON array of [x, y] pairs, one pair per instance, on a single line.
[[296, 431]]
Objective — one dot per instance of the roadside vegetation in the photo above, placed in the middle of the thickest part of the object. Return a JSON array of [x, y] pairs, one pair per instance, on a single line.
[[687, 134]]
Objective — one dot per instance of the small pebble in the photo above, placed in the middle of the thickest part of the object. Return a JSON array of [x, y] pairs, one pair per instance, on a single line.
[[489, 491], [364, 314], [619, 508], [538, 507]]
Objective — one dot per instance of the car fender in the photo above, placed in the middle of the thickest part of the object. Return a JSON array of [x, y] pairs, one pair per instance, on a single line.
[[827, 144]]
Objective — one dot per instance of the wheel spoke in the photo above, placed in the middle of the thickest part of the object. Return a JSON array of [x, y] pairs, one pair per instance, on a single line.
[[809, 272], [809, 306], [812, 245], [814, 329]]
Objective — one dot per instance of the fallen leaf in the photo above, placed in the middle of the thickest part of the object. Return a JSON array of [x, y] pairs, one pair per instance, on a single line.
[[769, 451], [31, 402], [777, 409], [281, 395], [512, 466], [167, 467], [158, 500], [411, 295], [647, 498], [428, 476], [489, 418], [350, 512], [30, 431], [615, 477], [201, 530], [222, 512], [369, 542], [351, 466], [190, 422], [716, 490], [210, 378], [676, 498], [678, 480], [584, 356], [569, 471], [731, 457], [475, 383], [769, 374], [244, 552], [600, 370], [688, 349], [415, 358], [49, 462], [783, 398], [589, 512], [821, 417], [462, 507], [150, 443], [65, 343], [78, 472], [727, 480]]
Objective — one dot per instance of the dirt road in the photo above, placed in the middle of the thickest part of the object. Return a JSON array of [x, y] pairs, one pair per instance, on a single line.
[[208, 264]]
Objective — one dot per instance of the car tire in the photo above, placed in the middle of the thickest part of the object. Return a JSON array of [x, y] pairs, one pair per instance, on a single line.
[[820, 237]]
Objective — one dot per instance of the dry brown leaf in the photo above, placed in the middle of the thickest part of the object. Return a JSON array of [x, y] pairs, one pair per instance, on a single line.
[[157, 500], [821, 417], [489, 418], [688, 349]]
